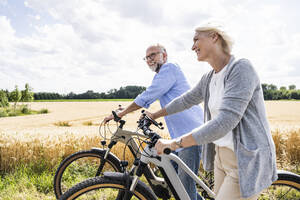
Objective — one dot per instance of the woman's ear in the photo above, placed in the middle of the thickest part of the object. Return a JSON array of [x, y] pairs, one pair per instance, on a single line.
[[214, 36]]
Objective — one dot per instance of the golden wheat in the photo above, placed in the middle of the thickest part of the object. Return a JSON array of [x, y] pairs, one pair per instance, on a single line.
[[32, 147]]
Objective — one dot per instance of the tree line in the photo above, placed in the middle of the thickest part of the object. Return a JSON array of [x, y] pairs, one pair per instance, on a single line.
[[271, 92], [128, 92]]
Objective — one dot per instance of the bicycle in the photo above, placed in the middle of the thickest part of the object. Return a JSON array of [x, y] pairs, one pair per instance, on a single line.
[[93, 162], [126, 186]]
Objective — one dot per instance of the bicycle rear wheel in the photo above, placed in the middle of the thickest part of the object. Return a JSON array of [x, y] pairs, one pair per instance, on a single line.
[[83, 165], [287, 187], [108, 188]]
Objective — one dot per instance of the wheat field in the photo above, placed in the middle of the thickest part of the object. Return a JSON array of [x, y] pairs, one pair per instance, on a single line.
[[33, 138]]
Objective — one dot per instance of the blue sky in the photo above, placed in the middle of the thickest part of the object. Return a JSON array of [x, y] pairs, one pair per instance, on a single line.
[[80, 45]]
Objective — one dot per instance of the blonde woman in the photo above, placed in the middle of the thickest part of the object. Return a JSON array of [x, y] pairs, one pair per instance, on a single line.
[[236, 139]]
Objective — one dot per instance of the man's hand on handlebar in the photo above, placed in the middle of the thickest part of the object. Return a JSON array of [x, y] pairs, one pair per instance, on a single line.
[[107, 119], [115, 116], [149, 114]]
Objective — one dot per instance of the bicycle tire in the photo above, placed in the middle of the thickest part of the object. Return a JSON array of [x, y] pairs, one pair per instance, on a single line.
[[58, 185], [100, 184], [286, 187]]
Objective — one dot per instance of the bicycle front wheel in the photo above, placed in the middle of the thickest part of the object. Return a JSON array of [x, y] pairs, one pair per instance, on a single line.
[[287, 187], [108, 188], [83, 165]]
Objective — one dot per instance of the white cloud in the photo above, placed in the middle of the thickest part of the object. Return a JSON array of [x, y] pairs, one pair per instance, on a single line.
[[99, 45]]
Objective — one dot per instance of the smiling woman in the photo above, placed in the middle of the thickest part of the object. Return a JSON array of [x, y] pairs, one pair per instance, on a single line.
[[236, 139]]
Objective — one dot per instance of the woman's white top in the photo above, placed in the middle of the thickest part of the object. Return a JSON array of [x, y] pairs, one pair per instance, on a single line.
[[216, 93]]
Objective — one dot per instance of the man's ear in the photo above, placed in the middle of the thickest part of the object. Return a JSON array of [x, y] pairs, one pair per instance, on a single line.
[[165, 56]]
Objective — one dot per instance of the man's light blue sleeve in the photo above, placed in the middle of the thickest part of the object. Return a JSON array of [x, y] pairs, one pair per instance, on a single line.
[[161, 84]]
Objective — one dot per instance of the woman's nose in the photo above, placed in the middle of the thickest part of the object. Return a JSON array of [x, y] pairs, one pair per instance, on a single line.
[[193, 47]]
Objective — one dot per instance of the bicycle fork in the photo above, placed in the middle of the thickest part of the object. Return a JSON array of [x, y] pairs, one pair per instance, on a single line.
[[103, 161]]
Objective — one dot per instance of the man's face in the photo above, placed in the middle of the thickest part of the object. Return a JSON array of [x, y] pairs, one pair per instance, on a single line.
[[154, 56]]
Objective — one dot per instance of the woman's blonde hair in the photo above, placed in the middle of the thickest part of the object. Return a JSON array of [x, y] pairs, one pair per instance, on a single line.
[[226, 40]]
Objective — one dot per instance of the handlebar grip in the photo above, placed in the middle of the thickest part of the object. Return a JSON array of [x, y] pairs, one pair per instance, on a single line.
[[167, 151], [116, 117]]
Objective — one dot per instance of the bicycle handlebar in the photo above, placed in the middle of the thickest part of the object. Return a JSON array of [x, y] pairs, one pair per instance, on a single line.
[[118, 119], [155, 123], [144, 123]]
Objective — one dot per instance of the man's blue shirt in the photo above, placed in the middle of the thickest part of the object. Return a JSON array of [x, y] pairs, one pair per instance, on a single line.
[[166, 85]]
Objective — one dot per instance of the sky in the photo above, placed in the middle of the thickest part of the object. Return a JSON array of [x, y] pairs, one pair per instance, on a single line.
[[79, 45]]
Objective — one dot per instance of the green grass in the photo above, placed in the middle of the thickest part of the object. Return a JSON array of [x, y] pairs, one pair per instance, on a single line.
[[81, 100], [20, 111], [27, 182], [35, 181]]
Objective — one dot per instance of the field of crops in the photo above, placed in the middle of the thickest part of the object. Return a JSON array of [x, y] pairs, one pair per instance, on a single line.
[[43, 140], [20, 136]]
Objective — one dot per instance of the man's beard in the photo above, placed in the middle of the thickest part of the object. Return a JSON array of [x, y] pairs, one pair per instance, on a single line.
[[155, 67]]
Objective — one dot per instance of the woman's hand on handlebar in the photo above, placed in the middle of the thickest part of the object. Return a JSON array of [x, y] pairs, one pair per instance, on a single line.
[[162, 144]]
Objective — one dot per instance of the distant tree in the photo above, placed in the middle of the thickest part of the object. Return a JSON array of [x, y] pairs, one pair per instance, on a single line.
[[15, 95], [292, 87], [272, 87], [27, 94], [71, 95], [282, 88], [295, 94], [3, 99], [284, 94]]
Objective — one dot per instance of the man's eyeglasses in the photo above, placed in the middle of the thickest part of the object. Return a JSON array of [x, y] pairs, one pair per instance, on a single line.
[[151, 56]]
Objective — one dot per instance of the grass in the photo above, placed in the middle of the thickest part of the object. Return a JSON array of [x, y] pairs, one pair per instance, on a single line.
[[20, 110], [63, 123], [88, 123], [81, 100], [30, 181]]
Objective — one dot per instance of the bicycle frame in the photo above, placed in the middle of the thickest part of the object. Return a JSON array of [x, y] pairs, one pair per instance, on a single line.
[[126, 137], [149, 155]]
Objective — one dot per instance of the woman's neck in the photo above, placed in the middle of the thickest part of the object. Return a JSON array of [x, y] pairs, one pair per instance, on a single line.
[[219, 61]]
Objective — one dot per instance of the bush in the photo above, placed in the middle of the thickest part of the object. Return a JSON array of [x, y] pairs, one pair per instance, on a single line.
[[43, 111], [25, 110], [12, 114], [3, 113], [3, 99]]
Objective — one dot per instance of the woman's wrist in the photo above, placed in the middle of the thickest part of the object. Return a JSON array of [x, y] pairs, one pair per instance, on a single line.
[[176, 144]]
